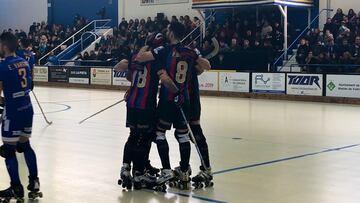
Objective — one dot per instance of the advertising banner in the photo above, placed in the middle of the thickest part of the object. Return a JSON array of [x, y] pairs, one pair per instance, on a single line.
[[343, 86], [41, 74], [209, 81], [58, 74], [119, 79], [304, 84], [268, 83], [233, 3], [79, 75], [234, 82], [155, 2], [101, 76]]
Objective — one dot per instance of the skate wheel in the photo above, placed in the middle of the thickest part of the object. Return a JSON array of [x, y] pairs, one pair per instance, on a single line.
[[129, 187], [41, 195], [172, 184], [120, 182]]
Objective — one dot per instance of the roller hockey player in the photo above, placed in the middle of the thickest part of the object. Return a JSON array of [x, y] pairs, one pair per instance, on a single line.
[[15, 83]]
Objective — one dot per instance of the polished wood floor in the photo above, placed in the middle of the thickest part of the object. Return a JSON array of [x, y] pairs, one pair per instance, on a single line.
[[261, 151]]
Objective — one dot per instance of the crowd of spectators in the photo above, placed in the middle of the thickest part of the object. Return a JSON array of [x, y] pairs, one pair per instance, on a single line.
[[44, 37], [337, 44], [238, 34]]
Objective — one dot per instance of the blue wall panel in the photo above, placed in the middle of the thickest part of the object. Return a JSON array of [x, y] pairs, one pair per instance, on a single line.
[[63, 11]]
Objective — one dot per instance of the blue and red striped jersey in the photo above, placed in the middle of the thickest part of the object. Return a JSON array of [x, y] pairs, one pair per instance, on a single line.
[[144, 86], [179, 62]]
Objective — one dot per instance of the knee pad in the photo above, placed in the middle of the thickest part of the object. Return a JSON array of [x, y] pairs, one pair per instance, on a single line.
[[164, 125], [198, 133], [23, 147], [182, 137], [160, 135], [7, 151]]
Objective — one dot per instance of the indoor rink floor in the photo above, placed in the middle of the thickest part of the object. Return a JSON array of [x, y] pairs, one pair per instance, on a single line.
[[261, 151]]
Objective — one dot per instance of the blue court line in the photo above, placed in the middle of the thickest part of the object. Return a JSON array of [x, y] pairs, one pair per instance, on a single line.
[[285, 159], [196, 197], [66, 108], [190, 196]]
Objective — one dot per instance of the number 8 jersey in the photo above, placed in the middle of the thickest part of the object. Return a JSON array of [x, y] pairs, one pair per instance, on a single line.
[[144, 85], [179, 62], [15, 74]]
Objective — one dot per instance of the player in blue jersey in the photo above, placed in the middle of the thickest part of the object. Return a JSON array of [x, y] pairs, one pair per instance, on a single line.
[[178, 62], [25, 52], [141, 110], [15, 83]]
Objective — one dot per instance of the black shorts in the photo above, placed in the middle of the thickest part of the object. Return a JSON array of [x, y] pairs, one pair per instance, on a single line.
[[195, 109], [143, 118], [170, 113]]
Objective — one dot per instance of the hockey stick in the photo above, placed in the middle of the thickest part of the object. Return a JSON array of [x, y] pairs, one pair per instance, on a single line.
[[42, 111], [102, 111], [216, 48], [194, 140]]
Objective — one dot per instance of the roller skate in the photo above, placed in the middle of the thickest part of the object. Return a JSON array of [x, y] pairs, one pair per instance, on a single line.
[[166, 176], [203, 179], [125, 177], [151, 170], [143, 180], [13, 192], [182, 178], [34, 189]]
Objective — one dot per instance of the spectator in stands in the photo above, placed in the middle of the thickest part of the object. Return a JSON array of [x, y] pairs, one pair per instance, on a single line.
[[338, 17], [302, 52]]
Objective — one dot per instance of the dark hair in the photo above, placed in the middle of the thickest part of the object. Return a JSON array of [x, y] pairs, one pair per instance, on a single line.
[[9, 40], [178, 29], [25, 42]]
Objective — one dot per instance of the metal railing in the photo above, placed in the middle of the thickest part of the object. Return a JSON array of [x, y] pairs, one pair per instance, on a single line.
[[197, 28], [328, 68], [295, 43], [93, 25]]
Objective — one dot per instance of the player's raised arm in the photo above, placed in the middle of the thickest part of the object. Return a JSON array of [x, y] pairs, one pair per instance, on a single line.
[[122, 65], [202, 65], [144, 55]]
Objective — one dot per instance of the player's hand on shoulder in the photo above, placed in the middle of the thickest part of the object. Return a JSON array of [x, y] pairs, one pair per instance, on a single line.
[[122, 65]]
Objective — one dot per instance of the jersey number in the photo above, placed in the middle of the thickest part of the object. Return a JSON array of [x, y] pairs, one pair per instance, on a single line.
[[181, 71], [22, 73], [142, 78]]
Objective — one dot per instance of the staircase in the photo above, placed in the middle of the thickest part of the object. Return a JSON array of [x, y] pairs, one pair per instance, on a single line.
[[77, 42]]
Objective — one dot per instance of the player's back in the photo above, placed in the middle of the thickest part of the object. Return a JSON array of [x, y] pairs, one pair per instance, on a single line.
[[180, 64], [144, 85], [16, 78]]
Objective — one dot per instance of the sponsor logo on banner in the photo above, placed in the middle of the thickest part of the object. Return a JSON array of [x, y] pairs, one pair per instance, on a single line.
[[58, 74], [343, 86], [154, 2], [305, 84], [268, 82], [79, 75], [101, 76], [119, 79], [234, 82], [209, 81], [41, 74]]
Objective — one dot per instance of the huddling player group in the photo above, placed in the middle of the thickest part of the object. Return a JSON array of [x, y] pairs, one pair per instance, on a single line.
[[163, 59], [177, 67]]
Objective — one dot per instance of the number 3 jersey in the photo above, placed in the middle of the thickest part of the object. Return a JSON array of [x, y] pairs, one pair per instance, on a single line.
[[16, 78], [144, 86], [179, 62]]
